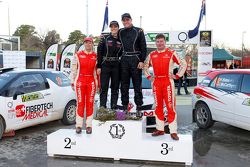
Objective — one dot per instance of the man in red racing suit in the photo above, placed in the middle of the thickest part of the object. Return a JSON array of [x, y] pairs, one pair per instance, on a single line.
[[84, 81], [162, 60]]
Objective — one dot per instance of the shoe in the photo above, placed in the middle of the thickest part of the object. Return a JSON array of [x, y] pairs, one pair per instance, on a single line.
[[188, 93], [88, 130], [174, 136], [158, 133], [78, 130], [138, 112], [125, 109], [178, 93]]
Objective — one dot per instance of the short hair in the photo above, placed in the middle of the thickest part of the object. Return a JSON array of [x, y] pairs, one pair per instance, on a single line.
[[158, 36]]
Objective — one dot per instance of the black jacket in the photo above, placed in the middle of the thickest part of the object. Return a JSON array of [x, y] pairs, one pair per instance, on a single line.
[[133, 41], [108, 48]]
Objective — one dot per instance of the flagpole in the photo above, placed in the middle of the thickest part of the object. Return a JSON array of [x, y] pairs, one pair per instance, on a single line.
[[87, 18], [205, 16]]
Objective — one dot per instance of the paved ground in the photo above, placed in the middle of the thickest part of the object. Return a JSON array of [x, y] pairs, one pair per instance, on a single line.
[[220, 146]]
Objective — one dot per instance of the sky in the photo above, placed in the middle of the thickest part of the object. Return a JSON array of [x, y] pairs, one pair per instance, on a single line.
[[228, 19]]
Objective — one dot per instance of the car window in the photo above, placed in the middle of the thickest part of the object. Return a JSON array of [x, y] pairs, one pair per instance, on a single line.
[[58, 78], [27, 84], [6, 78], [206, 81], [229, 82], [245, 88]]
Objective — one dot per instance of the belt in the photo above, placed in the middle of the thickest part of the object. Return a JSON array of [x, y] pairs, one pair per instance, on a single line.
[[111, 58], [161, 76], [86, 75], [131, 53]]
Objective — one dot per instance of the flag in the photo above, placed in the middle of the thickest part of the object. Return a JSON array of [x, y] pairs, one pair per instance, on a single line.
[[194, 32], [106, 18]]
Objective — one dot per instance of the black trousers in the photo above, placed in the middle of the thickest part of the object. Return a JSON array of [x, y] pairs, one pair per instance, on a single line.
[[110, 71], [129, 70], [184, 81]]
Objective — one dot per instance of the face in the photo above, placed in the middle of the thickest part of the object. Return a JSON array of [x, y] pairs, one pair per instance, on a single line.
[[160, 43], [114, 29], [88, 45], [127, 22]]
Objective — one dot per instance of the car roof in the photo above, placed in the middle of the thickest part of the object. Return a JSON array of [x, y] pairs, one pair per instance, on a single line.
[[19, 71], [214, 72]]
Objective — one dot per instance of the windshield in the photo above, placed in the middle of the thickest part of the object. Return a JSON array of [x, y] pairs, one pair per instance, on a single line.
[[5, 78]]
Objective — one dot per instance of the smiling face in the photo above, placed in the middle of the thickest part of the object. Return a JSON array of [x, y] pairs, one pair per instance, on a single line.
[[114, 29], [88, 46], [160, 44], [127, 22]]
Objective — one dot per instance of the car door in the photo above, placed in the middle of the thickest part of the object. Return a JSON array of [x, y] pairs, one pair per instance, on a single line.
[[30, 100], [242, 112], [223, 89]]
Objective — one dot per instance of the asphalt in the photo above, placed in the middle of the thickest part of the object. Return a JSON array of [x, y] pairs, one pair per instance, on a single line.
[[220, 146]]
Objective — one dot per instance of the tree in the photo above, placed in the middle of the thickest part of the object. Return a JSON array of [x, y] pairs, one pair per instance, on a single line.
[[50, 38], [29, 38], [25, 31], [76, 37]]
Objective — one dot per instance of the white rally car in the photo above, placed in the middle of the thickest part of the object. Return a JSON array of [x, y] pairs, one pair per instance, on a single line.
[[31, 97], [224, 96]]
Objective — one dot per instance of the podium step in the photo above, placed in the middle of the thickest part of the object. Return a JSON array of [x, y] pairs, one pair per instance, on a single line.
[[121, 140]]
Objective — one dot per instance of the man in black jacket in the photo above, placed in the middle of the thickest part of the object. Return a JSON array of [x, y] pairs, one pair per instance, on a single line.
[[108, 65], [132, 61]]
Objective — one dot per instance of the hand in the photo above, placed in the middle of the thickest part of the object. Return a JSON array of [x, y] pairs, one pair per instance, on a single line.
[[175, 76], [98, 71], [73, 86], [140, 65]]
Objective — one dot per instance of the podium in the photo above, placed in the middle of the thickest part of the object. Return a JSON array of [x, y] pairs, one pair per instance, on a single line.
[[121, 140]]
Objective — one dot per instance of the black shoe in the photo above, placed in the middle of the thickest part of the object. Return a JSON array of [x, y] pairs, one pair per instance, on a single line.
[[114, 107], [138, 112], [88, 130], [178, 93], [125, 108], [78, 130], [188, 93]]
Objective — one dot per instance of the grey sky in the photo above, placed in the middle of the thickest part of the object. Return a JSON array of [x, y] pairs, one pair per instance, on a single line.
[[227, 18]]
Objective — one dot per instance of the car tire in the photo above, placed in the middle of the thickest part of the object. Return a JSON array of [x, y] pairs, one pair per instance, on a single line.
[[1, 127], [69, 115], [203, 116]]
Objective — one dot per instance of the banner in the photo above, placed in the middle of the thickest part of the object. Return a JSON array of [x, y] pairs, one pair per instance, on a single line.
[[205, 61], [14, 59], [172, 37], [51, 57], [66, 58]]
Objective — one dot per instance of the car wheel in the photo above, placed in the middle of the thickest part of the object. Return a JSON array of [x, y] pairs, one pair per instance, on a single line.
[[1, 127], [69, 115], [203, 116]]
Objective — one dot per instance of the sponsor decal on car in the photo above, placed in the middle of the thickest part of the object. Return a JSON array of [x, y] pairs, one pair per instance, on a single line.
[[10, 104], [33, 112], [59, 81], [205, 94], [31, 97]]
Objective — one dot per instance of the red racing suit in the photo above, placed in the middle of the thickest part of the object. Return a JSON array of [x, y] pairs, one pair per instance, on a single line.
[[83, 76], [163, 84]]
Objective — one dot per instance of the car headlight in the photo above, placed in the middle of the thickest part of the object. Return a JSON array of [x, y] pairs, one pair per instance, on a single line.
[[246, 102]]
